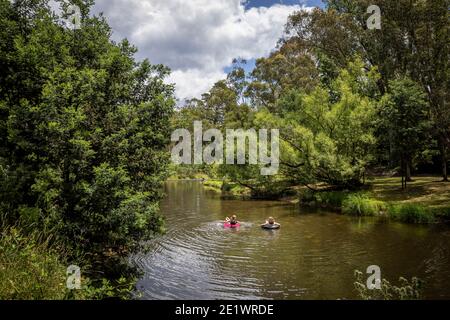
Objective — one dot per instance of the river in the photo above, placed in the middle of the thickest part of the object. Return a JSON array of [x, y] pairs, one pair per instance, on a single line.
[[312, 256]]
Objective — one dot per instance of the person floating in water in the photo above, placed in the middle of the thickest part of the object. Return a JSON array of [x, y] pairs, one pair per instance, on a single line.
[[271, 224], [232, 221]]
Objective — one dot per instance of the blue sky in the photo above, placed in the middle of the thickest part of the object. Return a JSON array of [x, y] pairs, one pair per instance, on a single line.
[[198, 39]]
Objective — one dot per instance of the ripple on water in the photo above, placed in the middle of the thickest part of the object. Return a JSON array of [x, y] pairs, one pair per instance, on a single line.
[[311, 256]]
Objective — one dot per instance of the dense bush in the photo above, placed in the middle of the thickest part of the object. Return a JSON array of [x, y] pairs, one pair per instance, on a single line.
[[33, 267], [332, 198], [83, 130]]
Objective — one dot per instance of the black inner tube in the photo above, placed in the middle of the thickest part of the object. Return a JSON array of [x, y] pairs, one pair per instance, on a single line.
[[270, 226]]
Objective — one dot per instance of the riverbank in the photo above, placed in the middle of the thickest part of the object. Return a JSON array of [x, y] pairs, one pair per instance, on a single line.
[[35, 266], [425, 200], [226, 189]]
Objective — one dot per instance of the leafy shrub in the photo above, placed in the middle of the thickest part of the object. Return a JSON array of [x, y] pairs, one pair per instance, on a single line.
[[332, 198], [308, 196], [121, 288], [83, 140]]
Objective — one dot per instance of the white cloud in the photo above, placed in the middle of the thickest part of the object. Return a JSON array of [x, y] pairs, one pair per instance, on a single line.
[[193, 82], [196, 38]]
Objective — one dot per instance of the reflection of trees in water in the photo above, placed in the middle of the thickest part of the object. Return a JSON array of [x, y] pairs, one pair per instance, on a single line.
[[436, 267], [311, 256]]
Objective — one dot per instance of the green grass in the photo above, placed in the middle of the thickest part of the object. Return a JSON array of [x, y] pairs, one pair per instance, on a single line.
[[33, 268], [425, 200], [30, 268], [411, 213], [429, 192], [362, 205], [441, 213]]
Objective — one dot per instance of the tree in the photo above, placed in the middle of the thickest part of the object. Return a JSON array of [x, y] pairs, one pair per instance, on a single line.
[[289, 67], [404, 113], [84, 130], [412, 43], [323, 140]]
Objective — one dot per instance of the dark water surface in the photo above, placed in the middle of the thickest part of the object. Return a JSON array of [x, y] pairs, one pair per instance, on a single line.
[[312, 256]]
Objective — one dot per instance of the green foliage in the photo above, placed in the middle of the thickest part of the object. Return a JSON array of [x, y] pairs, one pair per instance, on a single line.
[[248, 177], [411, 44], [287, 68], [84, 130], [407, 289], [333, 199], [33, 267], [404, 115], [411, 213], [345, 101], [321, 140], [442, 213], [308, 196], [30, 268], [362, 205], [214, 185], [235, 190], [122, 288], [325, 141], [328, 199]]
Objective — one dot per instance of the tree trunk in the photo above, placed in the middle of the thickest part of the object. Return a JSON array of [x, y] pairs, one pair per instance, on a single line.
[[444, 164], [402, 169], [408, 171], [443, 150]]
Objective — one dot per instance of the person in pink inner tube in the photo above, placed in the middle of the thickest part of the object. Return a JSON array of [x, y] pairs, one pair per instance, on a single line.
[[232, 221]]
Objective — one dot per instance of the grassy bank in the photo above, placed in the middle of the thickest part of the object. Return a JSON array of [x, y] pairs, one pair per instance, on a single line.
[[426, 200], [34, 266], [31, 268], [428, 192]]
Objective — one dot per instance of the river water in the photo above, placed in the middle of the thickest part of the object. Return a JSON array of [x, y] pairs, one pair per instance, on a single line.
[[312, 256]]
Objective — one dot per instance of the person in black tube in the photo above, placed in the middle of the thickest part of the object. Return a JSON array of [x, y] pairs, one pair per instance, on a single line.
[[271, 224]]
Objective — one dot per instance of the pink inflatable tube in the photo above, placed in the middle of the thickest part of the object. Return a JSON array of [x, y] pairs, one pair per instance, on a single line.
[[229, 225]]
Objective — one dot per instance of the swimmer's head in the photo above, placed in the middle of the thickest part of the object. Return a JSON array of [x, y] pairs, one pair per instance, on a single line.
[[233, 217], [271, 220]]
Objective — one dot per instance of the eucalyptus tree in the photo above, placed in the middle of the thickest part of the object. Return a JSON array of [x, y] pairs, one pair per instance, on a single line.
[[412, 42]]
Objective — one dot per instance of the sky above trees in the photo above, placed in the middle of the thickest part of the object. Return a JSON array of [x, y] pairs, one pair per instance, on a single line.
[[198, 39]]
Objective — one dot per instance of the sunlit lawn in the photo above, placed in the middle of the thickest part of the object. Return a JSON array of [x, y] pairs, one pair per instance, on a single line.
[[428, 191]]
